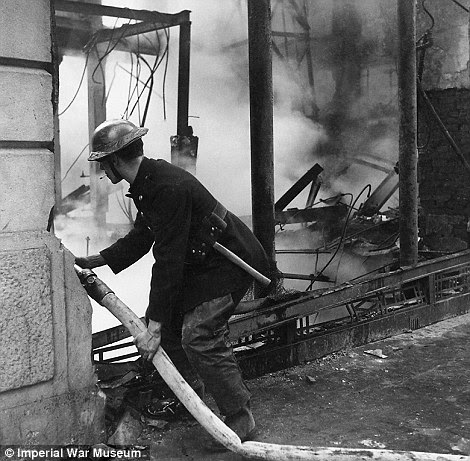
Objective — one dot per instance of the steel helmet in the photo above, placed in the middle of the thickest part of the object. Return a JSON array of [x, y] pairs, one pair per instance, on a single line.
[[112, 136]]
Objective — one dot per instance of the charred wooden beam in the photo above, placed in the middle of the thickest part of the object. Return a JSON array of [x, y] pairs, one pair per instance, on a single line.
[[381, 194], [316, 277], [320, 214], [310, 176]]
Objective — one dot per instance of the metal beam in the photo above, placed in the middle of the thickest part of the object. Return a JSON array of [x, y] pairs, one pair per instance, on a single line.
[[91, 9], [183, 80], [128, 30], [408, 148], [73, 34], [278, 314], [273, 314], [261, 123], [268, 360], [299, 35], [375, 166]]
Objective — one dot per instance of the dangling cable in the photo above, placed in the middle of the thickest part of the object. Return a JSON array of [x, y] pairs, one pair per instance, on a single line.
[[343, 233]]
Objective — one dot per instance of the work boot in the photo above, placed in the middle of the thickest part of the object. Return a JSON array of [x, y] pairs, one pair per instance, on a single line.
[[242, 423]]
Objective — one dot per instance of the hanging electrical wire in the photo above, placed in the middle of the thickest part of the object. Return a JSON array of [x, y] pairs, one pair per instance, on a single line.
[[431, 17], [129, 93], [136, 89], [110, 86], [343, 233], [150, 81], [137, 78], [145, 84], [167, 51], [88, 49], [461, 6], [78, 89], [100, 60], [93, 44], [74, 162], [157, 64]]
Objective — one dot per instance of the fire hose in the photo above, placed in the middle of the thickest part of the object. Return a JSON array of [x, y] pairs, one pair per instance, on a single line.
[[104, 296]]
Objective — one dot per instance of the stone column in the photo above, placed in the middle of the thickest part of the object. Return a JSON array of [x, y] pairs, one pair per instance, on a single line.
[[47, 386]]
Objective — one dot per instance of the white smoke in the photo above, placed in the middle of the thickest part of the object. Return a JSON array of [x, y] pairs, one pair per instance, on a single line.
[[219, 115]]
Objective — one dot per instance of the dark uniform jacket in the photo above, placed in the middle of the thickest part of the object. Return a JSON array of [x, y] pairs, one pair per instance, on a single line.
[[172, 205]]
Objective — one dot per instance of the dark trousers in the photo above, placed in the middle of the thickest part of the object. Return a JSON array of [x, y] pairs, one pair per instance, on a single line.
[[198, 345]]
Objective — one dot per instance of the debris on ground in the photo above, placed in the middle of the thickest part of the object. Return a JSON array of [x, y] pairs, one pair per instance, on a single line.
[[310, 379], [462, 446], [372, 444], [158, 424], [376, 353], [137, 400], [129, 376], [127, 432]]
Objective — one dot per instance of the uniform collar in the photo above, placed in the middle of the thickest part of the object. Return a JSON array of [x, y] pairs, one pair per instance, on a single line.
[[143, 174]]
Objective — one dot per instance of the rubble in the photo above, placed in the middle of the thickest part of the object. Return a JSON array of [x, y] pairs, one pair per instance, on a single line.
[[127, 431], [376, 353]]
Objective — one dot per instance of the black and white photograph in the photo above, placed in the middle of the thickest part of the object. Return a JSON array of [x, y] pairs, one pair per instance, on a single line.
[[235, 230]]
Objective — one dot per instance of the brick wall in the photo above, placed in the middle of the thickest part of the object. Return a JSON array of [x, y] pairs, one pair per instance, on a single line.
[[444, 183]]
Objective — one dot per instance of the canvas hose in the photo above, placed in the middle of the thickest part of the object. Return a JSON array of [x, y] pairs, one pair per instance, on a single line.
[[104, 296]]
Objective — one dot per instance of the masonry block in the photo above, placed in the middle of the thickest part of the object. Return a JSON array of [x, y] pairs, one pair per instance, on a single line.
[[70, 418], [79, 329], [26, 189], [26, 113], [33, 19], [26, 342], [48, 392]]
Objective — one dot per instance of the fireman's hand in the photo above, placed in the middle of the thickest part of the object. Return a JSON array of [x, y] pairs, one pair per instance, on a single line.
[[90, 262], [148, 341]]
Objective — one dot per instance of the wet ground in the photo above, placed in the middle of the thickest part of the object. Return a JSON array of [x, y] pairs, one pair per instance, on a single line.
[[415, 398]]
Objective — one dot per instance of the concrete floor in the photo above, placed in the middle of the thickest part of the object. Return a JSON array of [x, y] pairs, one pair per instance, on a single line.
[[417, 398]]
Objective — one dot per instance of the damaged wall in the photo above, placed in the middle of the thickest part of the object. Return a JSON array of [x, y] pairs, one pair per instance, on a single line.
[[444, 186], [47, 390]]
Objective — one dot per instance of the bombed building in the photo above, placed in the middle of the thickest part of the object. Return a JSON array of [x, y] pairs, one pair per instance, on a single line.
[[336, 130]]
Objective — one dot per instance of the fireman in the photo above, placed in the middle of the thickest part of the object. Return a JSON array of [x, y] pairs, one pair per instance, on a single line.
[[194, 290]]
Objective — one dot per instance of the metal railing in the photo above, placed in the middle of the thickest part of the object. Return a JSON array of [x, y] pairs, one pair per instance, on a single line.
[[299, 317]]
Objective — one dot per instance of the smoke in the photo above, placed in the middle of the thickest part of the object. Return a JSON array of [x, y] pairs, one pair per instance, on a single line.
[[81, 236], [304, 121], [219, 107]]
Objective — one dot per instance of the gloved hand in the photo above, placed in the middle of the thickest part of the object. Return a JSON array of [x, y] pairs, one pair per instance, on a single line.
[[149, 340], [90, 262]]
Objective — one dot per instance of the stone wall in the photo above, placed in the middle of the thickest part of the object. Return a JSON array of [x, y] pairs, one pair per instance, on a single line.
[[48, 393]]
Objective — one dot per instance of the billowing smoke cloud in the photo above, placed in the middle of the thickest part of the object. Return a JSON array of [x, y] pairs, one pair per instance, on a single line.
[[219, 115]]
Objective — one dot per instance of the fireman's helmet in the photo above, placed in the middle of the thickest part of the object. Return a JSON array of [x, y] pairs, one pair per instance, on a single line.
[[113, 135]]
